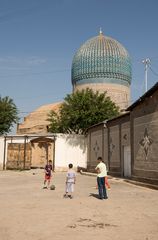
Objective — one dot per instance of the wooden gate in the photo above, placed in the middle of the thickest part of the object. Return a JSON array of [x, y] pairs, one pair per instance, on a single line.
[[18, 156], [42, 151]]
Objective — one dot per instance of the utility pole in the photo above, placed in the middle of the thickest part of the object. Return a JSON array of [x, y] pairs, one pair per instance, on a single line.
[[146, 62]]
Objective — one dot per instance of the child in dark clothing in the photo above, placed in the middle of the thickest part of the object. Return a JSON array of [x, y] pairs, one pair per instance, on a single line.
[[48, 174]]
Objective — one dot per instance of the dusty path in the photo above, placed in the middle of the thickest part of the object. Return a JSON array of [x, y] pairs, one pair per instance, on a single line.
[[28, 212]]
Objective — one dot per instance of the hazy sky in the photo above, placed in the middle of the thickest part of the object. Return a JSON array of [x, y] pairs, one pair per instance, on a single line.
[[38, 39]]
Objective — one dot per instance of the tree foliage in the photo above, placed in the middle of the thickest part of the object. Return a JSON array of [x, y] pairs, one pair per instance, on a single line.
[[8, 114], [81, 110]]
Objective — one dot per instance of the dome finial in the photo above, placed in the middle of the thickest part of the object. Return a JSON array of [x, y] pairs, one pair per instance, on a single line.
[[100, 31]]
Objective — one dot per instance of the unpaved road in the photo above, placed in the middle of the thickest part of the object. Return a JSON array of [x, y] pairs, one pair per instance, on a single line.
[[28, 212]]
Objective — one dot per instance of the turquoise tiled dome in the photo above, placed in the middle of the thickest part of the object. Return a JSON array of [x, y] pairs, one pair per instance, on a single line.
[[101, 59]]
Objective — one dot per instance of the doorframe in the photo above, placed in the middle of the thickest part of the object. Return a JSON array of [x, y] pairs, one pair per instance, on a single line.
[[46, 140], [127, 163]]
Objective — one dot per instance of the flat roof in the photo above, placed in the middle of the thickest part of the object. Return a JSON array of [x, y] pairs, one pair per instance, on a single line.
[[143, 97]]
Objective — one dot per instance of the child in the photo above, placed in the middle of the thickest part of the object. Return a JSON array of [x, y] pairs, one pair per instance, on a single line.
[[70, 181], [107, 183], [48, 173]]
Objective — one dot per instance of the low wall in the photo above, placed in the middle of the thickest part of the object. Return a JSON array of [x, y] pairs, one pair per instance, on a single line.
[[1, 152], [70, 149]]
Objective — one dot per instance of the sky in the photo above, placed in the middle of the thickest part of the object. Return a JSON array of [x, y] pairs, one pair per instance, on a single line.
[[38, 39]]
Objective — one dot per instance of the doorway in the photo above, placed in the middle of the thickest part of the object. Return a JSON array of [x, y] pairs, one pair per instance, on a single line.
[[127, 161], [42, 152]]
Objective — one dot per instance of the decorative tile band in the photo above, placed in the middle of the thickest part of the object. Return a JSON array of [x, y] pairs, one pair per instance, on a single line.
[[101, 58]]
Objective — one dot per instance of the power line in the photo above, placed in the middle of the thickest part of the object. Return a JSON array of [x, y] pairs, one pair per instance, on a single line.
[[57, 71], [35, 73], [45, 111], [155, 73], [54, 71]]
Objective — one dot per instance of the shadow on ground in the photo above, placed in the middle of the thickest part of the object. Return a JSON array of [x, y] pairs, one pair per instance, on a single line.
[[94, 195]]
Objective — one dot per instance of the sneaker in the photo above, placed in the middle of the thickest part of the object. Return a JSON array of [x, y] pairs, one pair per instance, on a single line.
[[65, 196], [45, 187], [71, 197]]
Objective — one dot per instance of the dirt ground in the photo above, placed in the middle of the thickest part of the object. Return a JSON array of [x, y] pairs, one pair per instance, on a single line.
[[28, 212]]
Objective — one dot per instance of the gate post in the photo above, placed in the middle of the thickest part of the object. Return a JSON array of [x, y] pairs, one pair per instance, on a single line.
[[4, 164], [24, 152]]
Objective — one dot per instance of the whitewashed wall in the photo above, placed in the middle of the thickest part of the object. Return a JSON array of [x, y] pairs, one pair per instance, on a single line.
[[1, 152], [68, 149]]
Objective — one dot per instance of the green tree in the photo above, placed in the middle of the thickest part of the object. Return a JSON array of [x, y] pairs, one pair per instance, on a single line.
[[81, 110], [8, 114]]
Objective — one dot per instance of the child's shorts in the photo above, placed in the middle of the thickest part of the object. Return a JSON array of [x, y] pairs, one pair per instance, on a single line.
[[47, 177]]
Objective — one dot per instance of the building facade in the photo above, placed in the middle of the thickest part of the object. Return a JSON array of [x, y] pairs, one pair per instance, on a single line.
[[129, 142], [37, 121]]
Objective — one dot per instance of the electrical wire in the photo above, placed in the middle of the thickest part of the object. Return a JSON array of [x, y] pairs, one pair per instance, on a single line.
[[35, 73], [50, 72], [156, 74]]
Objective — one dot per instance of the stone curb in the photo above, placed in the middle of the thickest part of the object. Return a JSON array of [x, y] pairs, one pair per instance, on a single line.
[[92, 174], [88, 173], [142, 184]]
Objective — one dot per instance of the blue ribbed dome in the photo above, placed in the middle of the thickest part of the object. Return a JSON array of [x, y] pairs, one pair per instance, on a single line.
[[101, 60]]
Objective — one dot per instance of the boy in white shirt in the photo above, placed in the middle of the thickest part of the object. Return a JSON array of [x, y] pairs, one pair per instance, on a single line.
[[70, 181]]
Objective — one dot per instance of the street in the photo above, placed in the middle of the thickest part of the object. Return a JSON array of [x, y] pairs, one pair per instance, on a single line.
[[29, 212]]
